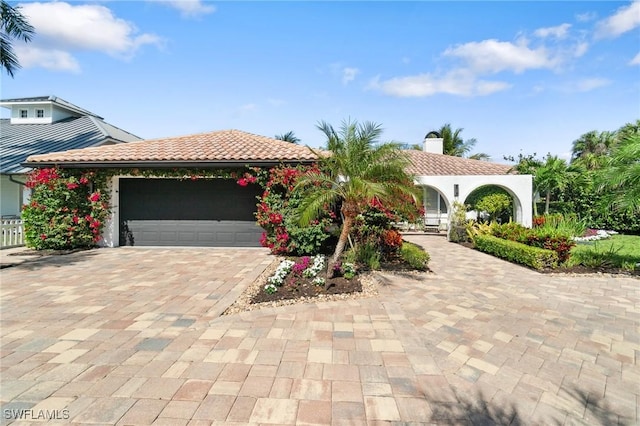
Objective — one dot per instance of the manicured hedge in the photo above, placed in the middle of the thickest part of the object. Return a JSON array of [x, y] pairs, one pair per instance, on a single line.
[[513, 251], [415, 256]]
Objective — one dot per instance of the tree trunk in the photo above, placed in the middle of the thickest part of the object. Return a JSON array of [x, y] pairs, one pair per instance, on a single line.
[[347, 224], [546, 205]]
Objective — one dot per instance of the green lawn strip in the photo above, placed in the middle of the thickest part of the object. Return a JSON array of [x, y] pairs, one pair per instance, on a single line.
[[622, 251]]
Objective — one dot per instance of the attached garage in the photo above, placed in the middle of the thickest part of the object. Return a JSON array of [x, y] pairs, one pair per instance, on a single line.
[[150, 209], [172, 212]]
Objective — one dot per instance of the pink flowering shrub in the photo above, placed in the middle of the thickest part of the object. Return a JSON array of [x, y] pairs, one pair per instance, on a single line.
[[277, 209], [64, 211]]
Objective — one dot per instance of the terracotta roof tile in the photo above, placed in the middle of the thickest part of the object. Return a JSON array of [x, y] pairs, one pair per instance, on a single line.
[[430, 164], [219, 146]]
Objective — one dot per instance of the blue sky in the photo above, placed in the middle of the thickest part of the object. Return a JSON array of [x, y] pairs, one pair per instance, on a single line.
[[517, 76]]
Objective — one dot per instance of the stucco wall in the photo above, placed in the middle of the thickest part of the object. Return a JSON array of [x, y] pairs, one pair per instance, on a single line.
[[519, 186]]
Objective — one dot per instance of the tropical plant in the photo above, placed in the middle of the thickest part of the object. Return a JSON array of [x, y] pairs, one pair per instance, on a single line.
[[619, 180], [358, 170], [453, 144], [290, 136], [13, 25], [551, 176]]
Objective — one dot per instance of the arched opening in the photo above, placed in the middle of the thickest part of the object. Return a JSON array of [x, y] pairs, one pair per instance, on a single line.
[[493, 203], [436, 205]]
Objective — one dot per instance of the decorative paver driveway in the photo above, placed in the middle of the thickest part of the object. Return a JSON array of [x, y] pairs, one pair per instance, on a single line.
[[133, 336]]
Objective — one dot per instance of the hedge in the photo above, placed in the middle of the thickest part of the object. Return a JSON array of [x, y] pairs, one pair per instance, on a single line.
[[513, 251], [415, 256]]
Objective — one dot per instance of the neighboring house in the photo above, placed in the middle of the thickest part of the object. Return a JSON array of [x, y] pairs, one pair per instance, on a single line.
[[218, 212], [40, 125]]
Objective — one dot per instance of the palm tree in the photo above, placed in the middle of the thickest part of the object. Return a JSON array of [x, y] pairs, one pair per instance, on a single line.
[[454, 145], [290, 136], [13, 25], [593, 143], [357, 170], [619, 180], [480, 156], [628, 130], [551, 176]]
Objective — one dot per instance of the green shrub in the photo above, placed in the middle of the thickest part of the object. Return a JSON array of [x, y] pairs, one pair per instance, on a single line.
[[549, 234], [513, 251], [415, 256], [367, 254]]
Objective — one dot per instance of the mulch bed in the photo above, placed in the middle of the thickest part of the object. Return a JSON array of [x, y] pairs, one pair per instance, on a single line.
[[304, 287]]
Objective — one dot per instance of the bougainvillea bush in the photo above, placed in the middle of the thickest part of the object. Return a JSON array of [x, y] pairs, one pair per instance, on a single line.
[[277, 215], [67, 210]]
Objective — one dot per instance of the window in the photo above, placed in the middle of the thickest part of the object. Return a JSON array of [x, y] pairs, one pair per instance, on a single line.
[[40, 113], [24, 113]]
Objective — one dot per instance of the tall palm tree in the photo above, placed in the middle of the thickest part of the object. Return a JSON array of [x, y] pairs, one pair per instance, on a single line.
[[619, 180], [13, 25], [551, 176], [357, 170], [290, 136], [454, 145]]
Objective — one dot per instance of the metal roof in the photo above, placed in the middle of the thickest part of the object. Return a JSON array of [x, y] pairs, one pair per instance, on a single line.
[[18, 141]]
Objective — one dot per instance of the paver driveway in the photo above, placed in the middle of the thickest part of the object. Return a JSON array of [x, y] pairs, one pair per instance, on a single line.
[[132, 336]]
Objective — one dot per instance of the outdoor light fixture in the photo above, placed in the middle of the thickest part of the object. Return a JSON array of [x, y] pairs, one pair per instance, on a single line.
[[456, 190]]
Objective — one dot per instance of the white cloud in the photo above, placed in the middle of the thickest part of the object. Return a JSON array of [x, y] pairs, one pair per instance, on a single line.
[[580, 49], [586, 17], [54, 60], [62, 28], [349, 74], [588, 84], [458, 82], [558, 32], [189, 8], [492, 56], [635, 60], [625, 19]]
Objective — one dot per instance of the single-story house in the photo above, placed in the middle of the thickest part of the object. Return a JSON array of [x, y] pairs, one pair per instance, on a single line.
[[39, 125], [218, 212]]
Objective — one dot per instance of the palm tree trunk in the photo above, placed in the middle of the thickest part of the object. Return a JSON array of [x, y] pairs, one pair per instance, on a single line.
[[546, 205], [347, 224]]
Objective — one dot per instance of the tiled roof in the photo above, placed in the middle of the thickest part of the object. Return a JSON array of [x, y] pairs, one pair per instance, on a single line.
[[430, 164], [225, 146], [18, 141]]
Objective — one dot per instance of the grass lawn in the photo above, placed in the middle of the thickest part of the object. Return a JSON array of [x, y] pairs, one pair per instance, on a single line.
[[620, 251]]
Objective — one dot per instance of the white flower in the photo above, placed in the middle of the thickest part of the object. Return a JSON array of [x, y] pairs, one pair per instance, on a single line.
[[316, 266], [281, 272]]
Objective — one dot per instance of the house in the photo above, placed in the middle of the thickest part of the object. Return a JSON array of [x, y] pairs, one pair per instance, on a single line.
[[40, 125], [446, 179], [157, 210]]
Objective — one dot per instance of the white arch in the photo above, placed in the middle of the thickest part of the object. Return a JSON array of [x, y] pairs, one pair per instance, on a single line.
[[520, 187]]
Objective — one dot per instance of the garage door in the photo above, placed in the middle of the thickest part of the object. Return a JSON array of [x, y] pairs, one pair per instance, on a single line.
[[204, 212]]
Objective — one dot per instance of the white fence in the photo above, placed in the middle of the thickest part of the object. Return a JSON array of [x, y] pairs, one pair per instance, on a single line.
[[12, 233]]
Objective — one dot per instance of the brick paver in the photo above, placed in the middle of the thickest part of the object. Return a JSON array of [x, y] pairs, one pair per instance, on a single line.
[[135, 336]]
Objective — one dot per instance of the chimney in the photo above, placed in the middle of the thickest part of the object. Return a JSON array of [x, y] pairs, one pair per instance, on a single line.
[[433, 143]]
